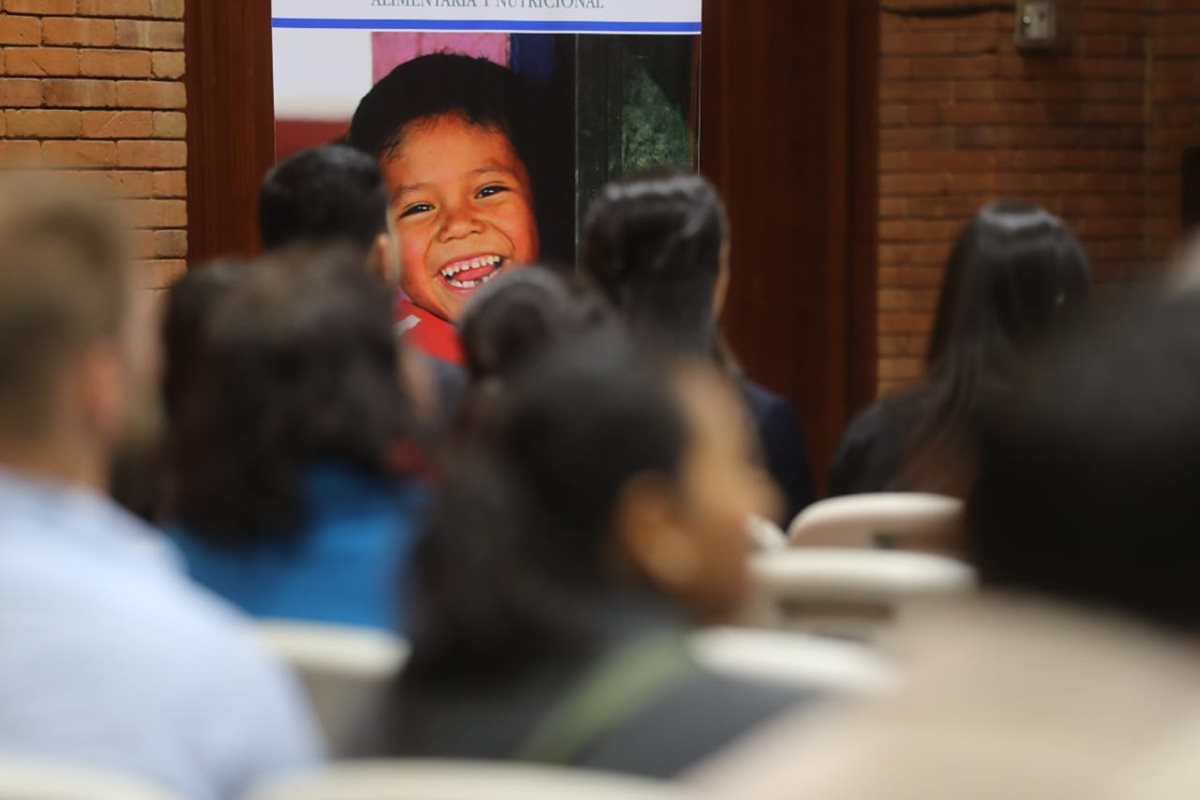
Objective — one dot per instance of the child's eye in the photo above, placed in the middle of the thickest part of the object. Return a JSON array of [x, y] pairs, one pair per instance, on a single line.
[[416, 208], [491, 191]]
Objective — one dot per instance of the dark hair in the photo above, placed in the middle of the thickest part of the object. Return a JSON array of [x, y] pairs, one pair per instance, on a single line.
[[521, 542], [518, 317], [652, 243], [1016, 276], [322, 196], [482, 92], [297, 366], [1086, 488]]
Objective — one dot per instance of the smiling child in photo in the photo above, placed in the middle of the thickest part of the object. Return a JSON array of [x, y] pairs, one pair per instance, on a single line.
[[447, 130]]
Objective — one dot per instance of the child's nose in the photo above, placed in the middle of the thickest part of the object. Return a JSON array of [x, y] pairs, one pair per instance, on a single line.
[[459, 222]]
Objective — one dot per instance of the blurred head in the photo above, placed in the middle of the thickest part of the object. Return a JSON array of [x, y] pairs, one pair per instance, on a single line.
[[330, 195], [1086, 490], [296, 366], [451, 134], [656, 245], [603, 477], [1016, 278], [77, 354]]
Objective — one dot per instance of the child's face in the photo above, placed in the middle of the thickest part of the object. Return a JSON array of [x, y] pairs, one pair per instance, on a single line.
[[463, 209]]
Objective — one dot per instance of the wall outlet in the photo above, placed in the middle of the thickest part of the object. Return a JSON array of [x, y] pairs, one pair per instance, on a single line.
[[1037, 24]]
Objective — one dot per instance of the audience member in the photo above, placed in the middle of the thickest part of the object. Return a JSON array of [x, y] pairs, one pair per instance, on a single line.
[[657, 245], [330, 195], [289, 433], [1076, 675], [514, 321], [1015, 277], [337, 195], [108, 656], [565, 564]]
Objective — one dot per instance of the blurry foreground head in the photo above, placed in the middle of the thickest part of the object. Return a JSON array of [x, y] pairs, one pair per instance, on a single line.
[[603, 479], [295, 366], [327, 196], [76, 342], [1087, 483], [655, 244], [1016, 278]]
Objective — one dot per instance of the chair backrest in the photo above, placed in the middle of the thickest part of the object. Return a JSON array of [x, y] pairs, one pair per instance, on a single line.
[[792, 659], [903, 520], [850, 592], [345, 672], [461, 780], [28, 778], [766, 536]]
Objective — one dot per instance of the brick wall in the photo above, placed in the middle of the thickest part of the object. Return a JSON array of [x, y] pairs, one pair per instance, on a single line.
[[95, 86], [1095, 133]]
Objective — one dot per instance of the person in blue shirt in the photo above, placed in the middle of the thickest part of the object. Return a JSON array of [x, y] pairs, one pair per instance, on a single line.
[[108, 656], [291, 440]]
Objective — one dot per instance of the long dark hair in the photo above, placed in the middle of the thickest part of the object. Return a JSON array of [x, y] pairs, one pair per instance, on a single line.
[[521, 545], [1016, 276], [653, 244], [296, 365]]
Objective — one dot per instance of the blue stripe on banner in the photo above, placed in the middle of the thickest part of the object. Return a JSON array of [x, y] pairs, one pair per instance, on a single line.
[[503, 26]]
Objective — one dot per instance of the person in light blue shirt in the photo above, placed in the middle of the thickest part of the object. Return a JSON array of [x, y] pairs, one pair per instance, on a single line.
[[109, 657], [291, 439]]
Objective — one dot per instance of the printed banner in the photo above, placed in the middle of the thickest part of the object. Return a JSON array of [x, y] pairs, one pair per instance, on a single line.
[[505, 16], [539, 102]]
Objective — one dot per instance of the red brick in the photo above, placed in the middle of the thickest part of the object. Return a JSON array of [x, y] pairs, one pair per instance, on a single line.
[[167, 9], [40, 7], [152, 154], [43, 124], [170, 184], [81, 31], [168, 65], [19, 152], [52, 61], [170, 125], [79, 154], [158, 213], [151, 94], [20, 30], [118, 124], [149, 35], [170, 244], [114, 8], [79, 93], [115, 63], [20, 92]]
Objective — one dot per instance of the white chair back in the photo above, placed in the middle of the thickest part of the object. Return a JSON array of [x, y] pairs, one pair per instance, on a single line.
[[26, 778], [851, 592], [461, 780], [345, 672], [792, 659], [904, 520], [765, 536]]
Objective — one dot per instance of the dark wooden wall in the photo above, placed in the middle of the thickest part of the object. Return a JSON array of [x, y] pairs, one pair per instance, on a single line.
[[788, 132]]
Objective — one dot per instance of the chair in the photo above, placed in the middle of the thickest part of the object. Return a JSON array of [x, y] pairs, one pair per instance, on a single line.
[[765, 535], [461, 780], [23, 778], [345, 672], [792, 659], [850, 592], [899, 520]]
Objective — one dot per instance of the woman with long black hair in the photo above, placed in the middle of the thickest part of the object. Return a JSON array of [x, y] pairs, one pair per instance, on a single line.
[[1016, 276]]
